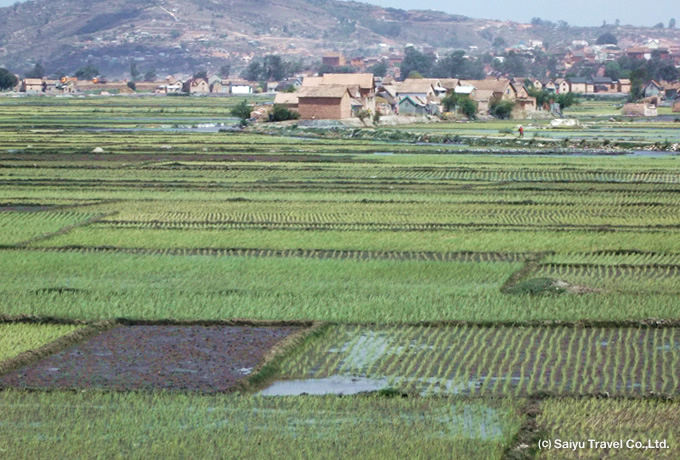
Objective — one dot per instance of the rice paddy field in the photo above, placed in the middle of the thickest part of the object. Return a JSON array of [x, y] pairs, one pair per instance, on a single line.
[[176, 290]]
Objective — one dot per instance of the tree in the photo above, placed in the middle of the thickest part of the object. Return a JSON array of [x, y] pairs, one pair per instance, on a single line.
[[499, 43], [225, 70], [132, 85], [415, 74], [36, 72], [450, 101], [134, 72], [542, 97], [270, 68], [671, 23], [415, 60], [201, 74], [7, 79], [87, 73], [150, 75], [379, 69], [364, 115], [468, 107], [658, 25], [501, 109], [607, 38], [242, 112], [613, 70], [566, 100], [514, 65], [456, 65]]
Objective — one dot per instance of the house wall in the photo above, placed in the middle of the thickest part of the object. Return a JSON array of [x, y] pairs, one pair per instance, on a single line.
[[241, 89], [201, 87], [651, 90], [408, 108], [580, 88], [324, 108], [564, 87]]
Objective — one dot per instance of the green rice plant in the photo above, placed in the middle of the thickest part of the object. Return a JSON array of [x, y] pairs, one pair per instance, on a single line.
[[497, 361], [19, 227], [16, 338], [610, 420], [161, 425]]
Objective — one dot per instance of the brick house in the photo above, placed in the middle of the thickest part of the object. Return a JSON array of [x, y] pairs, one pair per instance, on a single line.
[[333, 60], [33, 85], [197, 86], [288, 100], [578, 85], [324, 102], [362, 85]]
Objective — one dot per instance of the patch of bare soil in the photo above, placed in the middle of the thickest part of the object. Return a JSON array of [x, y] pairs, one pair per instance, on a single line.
[[200, 358]]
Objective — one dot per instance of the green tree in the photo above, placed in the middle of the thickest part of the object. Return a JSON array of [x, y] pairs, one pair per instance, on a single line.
[[242, 112], [87, 73], [671, 23], [379, 69], [501, 109], [607, 38], [134, 72], [456, 65], [7, 79], [567, 100], [132, 85], [450, 101], [225, 70], [613, 70], [201, 74], [542, 97], [36, 72], [468, 107], [150, 75], [414, 60]]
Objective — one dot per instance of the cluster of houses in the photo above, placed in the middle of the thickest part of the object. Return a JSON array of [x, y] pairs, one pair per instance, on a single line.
[[71, 85], [338, 96]]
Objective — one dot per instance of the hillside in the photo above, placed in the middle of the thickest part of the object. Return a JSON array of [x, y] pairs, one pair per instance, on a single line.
[[182, 36]]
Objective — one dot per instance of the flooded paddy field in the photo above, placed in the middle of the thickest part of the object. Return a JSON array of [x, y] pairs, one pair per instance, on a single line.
[[497, 361]]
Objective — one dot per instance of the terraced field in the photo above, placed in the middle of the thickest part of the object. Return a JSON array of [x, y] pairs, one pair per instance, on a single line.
[[485, 299]]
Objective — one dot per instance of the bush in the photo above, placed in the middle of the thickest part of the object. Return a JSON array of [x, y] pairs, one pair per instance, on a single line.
[[468, 107], [501, 109], [242, 112], [376, 118], [282, 113], [363, 115]]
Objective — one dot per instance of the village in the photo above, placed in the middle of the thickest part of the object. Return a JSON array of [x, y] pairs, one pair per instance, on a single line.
[[348, 89]]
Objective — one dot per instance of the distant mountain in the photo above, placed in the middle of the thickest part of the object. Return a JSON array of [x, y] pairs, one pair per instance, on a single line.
[[185, 35]]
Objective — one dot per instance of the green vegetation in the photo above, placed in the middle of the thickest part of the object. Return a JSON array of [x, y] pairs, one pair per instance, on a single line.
[[138, 208], [16, 338], [138, 425], [283, 113], [18, 227], [497, 361], [611, 420]]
